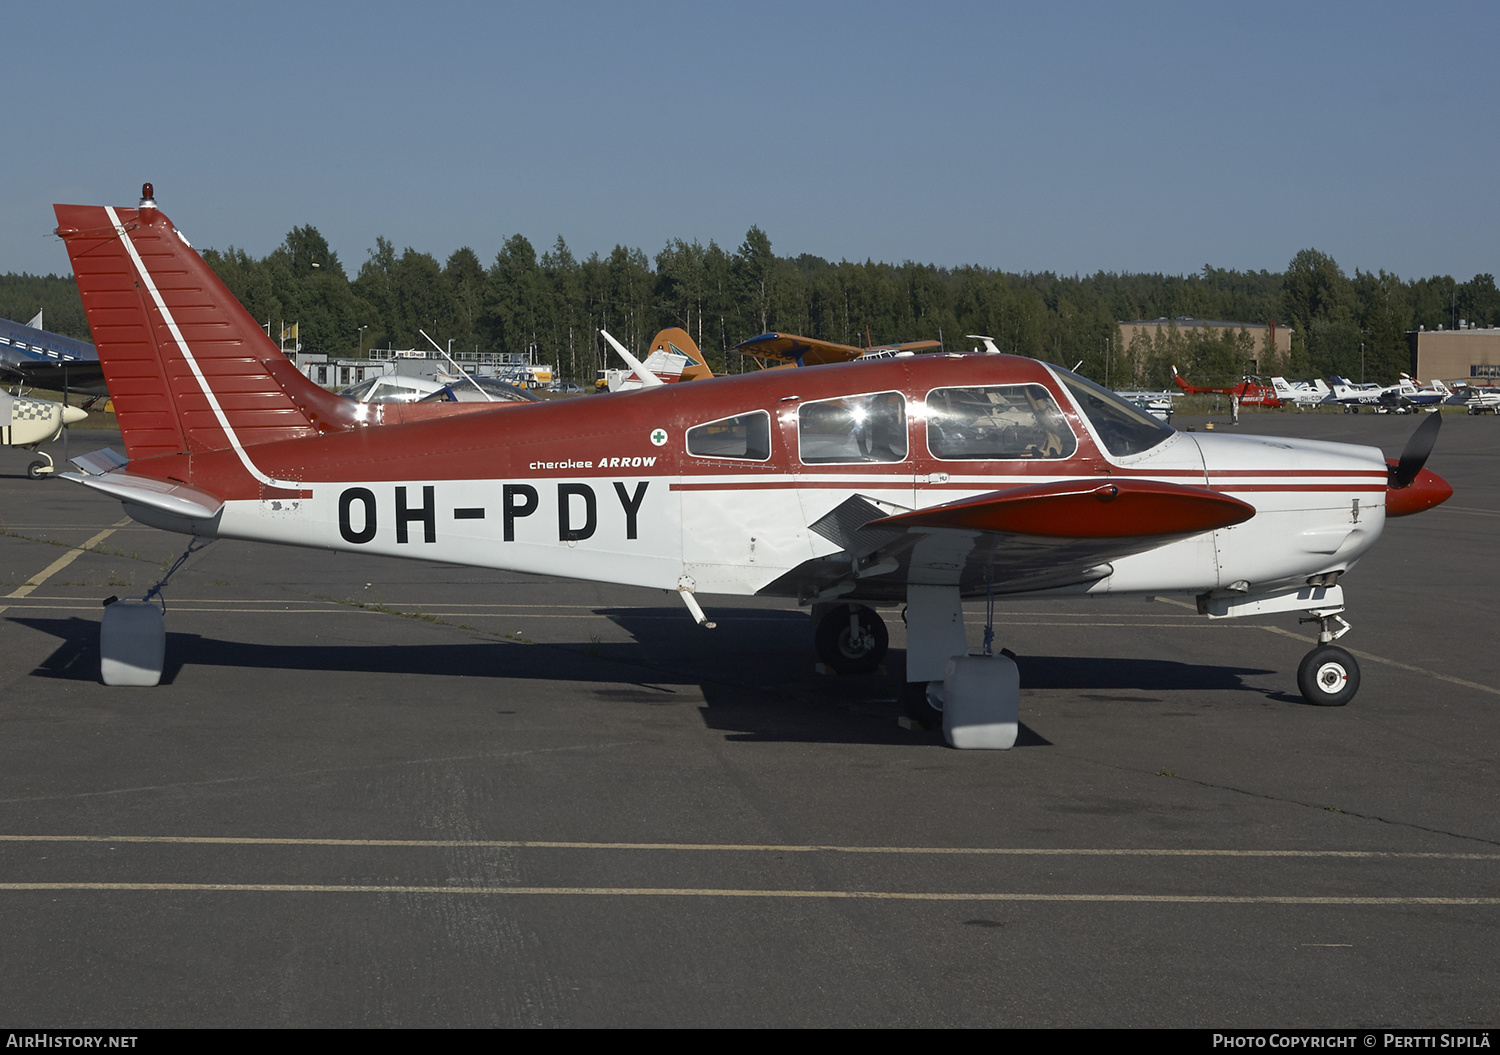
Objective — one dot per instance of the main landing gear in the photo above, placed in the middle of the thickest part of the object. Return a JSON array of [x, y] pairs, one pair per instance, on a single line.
[[40, 469], [850, 638]]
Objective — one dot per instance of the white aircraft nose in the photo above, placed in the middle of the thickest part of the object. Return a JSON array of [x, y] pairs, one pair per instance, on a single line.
[[73, 415]]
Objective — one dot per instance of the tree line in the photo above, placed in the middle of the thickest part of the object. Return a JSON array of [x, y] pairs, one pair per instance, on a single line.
[[554, 305]]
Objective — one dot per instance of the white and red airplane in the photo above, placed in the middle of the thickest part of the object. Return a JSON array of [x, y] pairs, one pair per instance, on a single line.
[[1301, 394], [921, 480]]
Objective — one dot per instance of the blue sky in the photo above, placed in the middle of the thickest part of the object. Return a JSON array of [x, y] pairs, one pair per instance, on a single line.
[[1030, 137]]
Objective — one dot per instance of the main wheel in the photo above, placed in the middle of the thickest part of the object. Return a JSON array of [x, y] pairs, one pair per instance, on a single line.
[[1328, 676], [851, 649], [38, 469]]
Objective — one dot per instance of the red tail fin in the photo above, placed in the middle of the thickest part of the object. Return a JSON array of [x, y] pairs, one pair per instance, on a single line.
[[188, 369]]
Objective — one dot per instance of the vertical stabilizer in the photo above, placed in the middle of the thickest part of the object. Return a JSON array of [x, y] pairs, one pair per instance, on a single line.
[[188, 369]]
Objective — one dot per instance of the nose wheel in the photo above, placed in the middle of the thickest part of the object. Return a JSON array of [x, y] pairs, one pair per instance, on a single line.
[[851, 639], [1328, 676]]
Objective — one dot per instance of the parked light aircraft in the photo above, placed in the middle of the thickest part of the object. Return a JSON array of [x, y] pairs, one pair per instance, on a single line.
[[35, 357], [1353, 396], [28, 423], [673, 357], [1479, 399], [446, 388], [919, 480], [1413, 394], [1158, 403], [1400, 398], [1302, 394]]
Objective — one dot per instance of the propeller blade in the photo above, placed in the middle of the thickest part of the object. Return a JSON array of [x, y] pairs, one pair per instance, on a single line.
[[1417, 449]]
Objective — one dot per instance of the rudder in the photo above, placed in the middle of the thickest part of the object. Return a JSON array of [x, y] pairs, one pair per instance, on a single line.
[[188, 369]]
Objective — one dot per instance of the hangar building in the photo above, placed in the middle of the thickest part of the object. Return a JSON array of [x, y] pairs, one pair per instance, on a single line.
[[1470, 354]]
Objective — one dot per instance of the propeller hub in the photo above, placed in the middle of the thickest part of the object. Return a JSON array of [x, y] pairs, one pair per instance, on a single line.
[[1426, 490]]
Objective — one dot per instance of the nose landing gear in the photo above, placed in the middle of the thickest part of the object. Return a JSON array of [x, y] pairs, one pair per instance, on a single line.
[[1328, 676]]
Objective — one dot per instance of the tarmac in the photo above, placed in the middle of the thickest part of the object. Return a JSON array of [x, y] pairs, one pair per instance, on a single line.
[[382, 793]]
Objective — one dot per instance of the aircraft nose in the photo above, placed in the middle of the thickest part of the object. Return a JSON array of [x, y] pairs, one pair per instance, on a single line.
[[73, 415], [1427, 490]]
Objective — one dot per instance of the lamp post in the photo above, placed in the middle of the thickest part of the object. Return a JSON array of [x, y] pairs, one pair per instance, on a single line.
[[361, 340]]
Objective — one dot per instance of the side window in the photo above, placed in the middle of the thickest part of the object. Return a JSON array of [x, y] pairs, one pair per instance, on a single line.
[[869, 428], [746, 436], [998, 422]]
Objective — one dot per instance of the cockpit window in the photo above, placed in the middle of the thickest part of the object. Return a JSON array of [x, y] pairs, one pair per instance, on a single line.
[[869, 428], [1122, 427], [997, 422], [747, 436]]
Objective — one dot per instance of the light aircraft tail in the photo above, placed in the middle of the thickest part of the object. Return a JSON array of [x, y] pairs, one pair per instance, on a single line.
[[676, 341], [674, 357], [188, 369]]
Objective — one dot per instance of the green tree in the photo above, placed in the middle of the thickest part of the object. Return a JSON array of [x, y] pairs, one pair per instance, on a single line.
[[753, 263]]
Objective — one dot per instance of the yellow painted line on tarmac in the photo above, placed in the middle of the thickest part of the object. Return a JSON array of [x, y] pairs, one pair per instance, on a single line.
[[62, 562], [719, 892], [546, 844]]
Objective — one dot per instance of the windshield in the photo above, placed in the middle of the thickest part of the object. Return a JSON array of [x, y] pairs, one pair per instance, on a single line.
[[1122, 427], [996, 422]]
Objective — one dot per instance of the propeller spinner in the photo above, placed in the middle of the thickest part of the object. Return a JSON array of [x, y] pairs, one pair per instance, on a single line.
[[1410, 487]]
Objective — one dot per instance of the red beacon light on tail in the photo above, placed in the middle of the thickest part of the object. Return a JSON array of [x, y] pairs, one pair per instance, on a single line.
[[148, 196]]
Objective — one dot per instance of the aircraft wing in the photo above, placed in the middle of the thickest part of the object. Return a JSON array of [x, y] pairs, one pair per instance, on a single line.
[[810, 351], [1036, 537]]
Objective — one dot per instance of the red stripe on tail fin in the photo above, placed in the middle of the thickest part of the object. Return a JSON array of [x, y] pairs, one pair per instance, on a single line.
[[188, 369]]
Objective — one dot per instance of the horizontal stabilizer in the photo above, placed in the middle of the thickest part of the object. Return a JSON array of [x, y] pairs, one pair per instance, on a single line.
[[1084, 510], [177, 499]]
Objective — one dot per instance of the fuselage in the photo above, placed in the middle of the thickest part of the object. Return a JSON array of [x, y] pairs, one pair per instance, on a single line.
[[718, 484]]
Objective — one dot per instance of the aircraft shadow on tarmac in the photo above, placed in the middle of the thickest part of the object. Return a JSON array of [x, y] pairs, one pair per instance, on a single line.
[[755, 671]]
